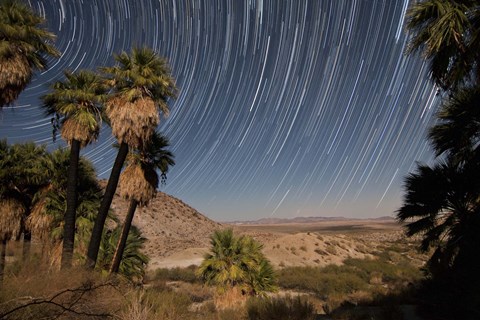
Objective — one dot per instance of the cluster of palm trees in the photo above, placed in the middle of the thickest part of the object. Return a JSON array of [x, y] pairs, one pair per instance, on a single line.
[[33, 201], [442, 201], [128, 96]]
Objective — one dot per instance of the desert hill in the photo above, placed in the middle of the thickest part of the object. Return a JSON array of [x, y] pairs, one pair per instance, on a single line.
[[170, 226]]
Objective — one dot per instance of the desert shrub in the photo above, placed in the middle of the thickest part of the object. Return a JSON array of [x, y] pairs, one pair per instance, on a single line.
[[388, 271], [331, 249], [47, 294], [280, 308], [230, 314], [177, 274], [165, 304], [322, 281]]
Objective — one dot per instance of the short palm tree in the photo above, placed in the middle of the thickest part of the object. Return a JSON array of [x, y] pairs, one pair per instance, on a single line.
[[457, 131], [139, 182], [77, 101], [133, 261], [141, 86], [24, 46], [22, 174], [442, 205], [237, 262], [447, 33]]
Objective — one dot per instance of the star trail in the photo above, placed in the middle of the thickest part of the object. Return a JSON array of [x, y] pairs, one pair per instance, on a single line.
[[286, 108]]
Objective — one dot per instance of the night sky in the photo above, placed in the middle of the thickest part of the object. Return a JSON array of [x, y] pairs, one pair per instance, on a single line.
[[286, 108]]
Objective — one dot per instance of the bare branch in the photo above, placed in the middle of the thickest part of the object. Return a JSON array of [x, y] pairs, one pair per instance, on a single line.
[[75, 296]]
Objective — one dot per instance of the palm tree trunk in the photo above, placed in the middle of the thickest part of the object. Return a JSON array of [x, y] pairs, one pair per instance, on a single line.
[[117, 257], [70, 214], [97, 231], [3, 251], [27, 242]]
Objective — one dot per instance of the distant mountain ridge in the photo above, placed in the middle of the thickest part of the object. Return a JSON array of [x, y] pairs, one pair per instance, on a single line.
[[303, 220]]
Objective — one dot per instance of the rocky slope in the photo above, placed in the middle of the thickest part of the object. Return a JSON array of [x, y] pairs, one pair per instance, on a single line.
[[169, 225]]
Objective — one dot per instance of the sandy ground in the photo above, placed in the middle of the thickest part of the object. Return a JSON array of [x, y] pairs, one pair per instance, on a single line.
[[184, 258], [312, 244]]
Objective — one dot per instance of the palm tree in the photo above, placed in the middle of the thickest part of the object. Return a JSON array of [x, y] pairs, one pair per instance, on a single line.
[[22, 175], [133, 260], [457, 131], [141, 86], [237, 262], [24, 45], [139, 182], [447, 33], [77, 100], [263, 280], [47, 218], [442, 205]]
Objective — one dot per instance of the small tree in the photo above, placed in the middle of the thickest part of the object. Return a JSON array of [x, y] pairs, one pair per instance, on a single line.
[[237, 262]]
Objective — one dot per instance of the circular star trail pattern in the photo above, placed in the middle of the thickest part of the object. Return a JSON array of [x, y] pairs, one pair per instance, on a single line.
[[286, 108]]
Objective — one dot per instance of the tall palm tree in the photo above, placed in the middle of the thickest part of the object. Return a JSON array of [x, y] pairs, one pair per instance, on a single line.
[[139, 182], [24, 46], [442, 205], [237, 262], [448, 34], [457, 131], [77, 100], [141, 86]]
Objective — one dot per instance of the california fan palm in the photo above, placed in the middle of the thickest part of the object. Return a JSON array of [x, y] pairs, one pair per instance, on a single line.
[[456, 134], [77, 101], [141, 86], [448, 35], [442, 205], [24, 48], [139, 182]]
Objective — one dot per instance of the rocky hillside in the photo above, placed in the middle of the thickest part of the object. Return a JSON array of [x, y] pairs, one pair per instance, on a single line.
[[169, 225]]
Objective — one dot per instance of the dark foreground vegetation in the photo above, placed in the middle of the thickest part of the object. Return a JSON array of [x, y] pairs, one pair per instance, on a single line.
[[376, 287]]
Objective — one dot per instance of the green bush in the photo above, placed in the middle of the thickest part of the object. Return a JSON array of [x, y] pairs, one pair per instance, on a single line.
[[322, 281], [177, 274], [280, 309]]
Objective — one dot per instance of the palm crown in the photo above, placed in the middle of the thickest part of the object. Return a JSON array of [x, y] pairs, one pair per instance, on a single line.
[[447, 33], [441, 202], [24, 46], [141, 84], [77, 100], [139, 181]]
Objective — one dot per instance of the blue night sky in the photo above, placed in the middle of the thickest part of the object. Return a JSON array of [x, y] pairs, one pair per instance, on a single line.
[[286, 108]]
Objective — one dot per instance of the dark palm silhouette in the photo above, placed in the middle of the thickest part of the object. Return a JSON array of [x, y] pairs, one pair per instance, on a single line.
[[447, 34], [457, 131], [442, 205]]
